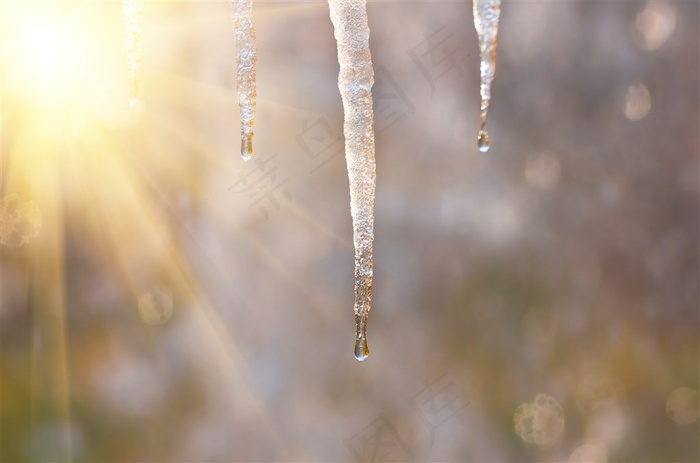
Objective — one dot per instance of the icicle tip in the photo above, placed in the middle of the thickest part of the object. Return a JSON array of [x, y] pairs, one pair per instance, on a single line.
[[483, 141], [246, 147], [361, 349]]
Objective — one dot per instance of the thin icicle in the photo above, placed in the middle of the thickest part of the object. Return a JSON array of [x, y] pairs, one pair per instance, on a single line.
[[133, 16], [355, 82], [486, 15], [246, 57]]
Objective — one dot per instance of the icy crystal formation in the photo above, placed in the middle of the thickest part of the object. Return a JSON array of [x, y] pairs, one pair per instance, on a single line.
[[133, 16], [486, 15], [246, 57], [355, 82]]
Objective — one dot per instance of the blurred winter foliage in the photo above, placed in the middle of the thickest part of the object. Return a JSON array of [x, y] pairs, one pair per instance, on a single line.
[[163, 301]]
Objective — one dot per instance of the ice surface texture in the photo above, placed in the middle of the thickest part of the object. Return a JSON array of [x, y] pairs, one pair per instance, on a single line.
[[486, 16], [355, 82], [246, 58], [133, 16]]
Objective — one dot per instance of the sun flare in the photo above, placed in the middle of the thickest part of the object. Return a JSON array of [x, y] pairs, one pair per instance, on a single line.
[[78, 165], [49, 55], [53, 56], [60, 64]]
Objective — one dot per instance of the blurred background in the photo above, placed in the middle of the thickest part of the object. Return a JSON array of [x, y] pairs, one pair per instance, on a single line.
[[162, 300]]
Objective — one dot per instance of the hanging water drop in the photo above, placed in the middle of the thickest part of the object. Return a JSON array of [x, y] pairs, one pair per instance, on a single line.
[[361, 349], [486, 15], [483, 141], [133, 16], [355, 82], [246, 58]]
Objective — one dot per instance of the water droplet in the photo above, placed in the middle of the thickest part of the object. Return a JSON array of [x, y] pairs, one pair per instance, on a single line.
[[483, 141], [246, 146], [134, 91], [361, 349]]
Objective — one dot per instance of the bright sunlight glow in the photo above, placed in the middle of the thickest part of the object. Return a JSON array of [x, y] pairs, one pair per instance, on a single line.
[[51, 58], [68, 70]]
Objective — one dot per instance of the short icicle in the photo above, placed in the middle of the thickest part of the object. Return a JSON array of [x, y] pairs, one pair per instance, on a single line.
[[246, 58], [133, 17], [355, 82], [486, 15]]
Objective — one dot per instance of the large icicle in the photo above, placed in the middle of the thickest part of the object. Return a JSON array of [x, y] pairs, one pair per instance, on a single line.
[[133, 16], [355, 82], [486, 15], [246, 57]]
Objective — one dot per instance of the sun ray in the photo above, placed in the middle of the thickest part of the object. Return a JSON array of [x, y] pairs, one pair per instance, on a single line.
[[66, 156], [209, 98], [224, 216], [134, 206], [36, 176], [214, 17]]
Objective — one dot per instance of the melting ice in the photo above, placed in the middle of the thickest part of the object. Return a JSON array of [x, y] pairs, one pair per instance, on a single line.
[[355, 82], [486, 15], [246, 57], [133, 16]]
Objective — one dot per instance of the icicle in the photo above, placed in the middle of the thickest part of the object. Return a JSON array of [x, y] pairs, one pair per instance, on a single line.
[[246, 57], [133, 15], [486, 15], [355, 82]]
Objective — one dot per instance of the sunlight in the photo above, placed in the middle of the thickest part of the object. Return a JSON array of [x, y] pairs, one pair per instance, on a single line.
[[53, 58], [64, 69]]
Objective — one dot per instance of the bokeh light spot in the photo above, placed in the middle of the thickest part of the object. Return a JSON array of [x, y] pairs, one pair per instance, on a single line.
[[589, 452], [542, 171], [540, 422], [637, 102], [653, 25], [597, 391], [682, 406], [20, 220], [156, 305]]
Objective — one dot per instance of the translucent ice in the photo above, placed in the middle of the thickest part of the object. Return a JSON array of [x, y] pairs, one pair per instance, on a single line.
[[246, 58], [486, 15], [355, 82], [133, 16]]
